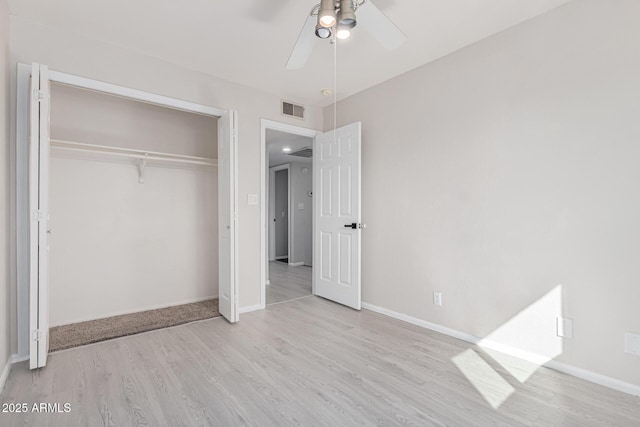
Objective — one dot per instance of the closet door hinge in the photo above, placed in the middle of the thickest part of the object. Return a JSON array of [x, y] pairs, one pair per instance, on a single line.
[[38, 215], [38, 95], [36, 335]]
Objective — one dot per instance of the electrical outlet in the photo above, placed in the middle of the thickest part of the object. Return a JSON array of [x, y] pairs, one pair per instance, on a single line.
[[437, 298], [632, 344], [564, 327]]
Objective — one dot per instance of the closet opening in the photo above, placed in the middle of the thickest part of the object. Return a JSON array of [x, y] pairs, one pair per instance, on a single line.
[[133, 217], [143, 193]]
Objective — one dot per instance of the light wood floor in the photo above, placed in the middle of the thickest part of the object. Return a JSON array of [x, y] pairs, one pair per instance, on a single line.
[[287, 283], [306, 362]]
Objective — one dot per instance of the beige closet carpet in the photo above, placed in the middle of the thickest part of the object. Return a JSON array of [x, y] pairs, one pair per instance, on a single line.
[[74, 335]]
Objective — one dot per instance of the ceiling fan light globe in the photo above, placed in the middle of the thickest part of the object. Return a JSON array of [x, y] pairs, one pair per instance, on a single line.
[[343, 33], [327, 13], [327, 21], [322, 32], [348, 22]]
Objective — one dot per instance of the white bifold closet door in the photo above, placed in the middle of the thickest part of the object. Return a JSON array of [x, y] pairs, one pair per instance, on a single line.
[[38, 206], [227, 216], [337, 213], [39, 107]]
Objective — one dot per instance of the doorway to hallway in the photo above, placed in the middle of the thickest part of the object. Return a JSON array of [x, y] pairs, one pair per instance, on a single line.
[[290, 216]]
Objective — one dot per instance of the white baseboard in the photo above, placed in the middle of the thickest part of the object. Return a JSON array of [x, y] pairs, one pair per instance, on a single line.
[[18, 358], [584, 374], [296, 264], [282, 257], [7, 369], [136, 310], [422, 323], [594, 377], [251, 308]]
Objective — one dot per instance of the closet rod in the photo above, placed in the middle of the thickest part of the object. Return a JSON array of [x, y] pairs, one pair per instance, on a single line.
[[132, 153]]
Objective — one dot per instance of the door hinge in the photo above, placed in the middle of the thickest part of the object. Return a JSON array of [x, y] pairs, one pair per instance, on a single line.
[[38, 95], [38, 215], [36, 335]]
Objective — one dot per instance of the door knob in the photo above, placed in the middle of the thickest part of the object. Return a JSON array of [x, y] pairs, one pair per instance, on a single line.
[[355, 225]]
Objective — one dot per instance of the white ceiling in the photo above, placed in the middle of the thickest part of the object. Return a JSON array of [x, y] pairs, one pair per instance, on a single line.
[[277, 140], [249, 41]]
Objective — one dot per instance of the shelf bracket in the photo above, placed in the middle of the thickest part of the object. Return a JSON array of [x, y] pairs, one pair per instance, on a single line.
[[141, 168]]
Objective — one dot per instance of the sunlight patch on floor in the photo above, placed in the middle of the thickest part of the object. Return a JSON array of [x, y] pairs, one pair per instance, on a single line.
[[484, 378]]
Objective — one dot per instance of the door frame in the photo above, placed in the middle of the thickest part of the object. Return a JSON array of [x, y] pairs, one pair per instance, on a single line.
[[264, 211], [272, 231], [22, 172]]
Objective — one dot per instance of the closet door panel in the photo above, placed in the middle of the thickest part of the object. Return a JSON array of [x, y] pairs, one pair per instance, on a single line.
[[227, 217], [39, 211]]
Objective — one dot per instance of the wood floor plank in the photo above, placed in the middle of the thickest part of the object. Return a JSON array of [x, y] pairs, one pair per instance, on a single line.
[[287, 283], [301, 363]]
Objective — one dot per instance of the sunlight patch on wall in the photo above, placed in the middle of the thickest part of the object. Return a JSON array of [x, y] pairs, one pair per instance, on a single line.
[[484, 378], [529, 335]]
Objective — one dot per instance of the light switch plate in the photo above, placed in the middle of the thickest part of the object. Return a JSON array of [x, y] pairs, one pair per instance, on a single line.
[[252, 199], [632, 344], [564, 327], [300, 206]]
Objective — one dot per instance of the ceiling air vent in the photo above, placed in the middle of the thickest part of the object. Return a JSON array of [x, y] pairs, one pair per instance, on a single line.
[[292, 110], [303, 152]]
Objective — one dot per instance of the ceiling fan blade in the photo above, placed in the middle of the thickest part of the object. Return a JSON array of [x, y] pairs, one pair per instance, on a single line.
[[304, 45], [379, 26]]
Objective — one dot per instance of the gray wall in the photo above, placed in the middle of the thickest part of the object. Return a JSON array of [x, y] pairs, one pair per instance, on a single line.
[[93, 117], [5, 189], [282, 213], [513, 165], [301, 213]]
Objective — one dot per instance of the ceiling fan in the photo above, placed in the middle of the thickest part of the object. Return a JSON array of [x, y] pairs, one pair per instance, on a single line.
[[336, 18]]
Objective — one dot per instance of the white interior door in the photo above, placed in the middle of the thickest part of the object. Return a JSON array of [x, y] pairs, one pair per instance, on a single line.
[[227, 217], [39, 221], [336, 190]]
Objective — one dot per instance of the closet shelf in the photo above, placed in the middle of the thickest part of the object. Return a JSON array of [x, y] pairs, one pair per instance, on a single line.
[[141, 155]]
